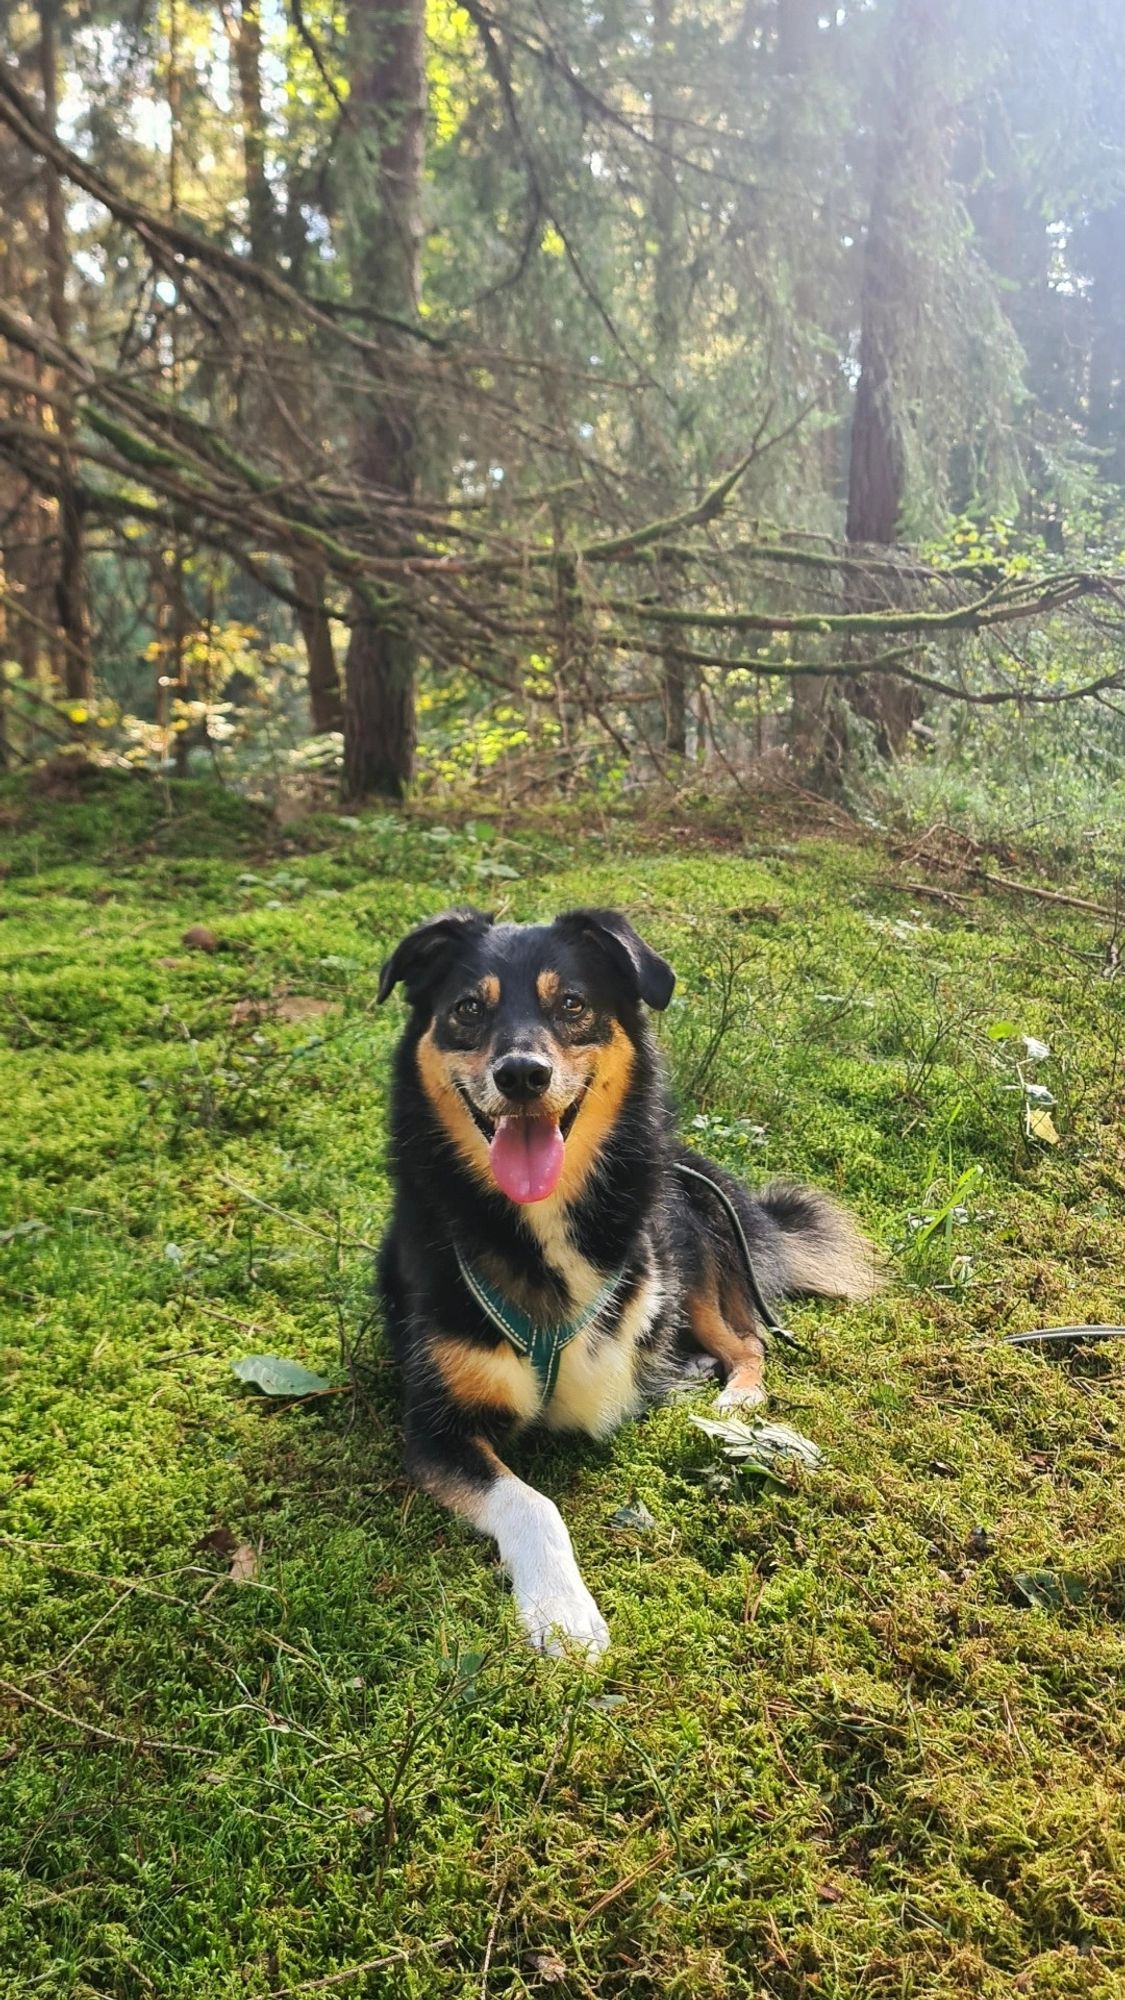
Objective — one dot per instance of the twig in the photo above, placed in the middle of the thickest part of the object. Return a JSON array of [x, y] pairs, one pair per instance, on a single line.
[[979, 874], [1065, 1333], [247, 1325], [94, 1729], [337, 1978], [935, 894], [294, 1221], [619, 1888]]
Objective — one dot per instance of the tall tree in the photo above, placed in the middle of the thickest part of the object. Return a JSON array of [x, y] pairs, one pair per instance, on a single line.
[[381, 179], [907, 173], [244, 29], [71, 602]]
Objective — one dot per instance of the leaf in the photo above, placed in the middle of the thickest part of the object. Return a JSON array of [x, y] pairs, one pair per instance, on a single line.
[[275, 1376], [216, 1542], [548, 1967], [637, 1517], [1038, 1093], [244, 1563], [32, 1227], [1041, 1125], [286, 1007], [1002, 1031], [1048, 1589], [759, 1447]]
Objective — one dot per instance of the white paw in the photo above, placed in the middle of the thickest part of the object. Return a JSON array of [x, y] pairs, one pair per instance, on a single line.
[[558, 1613], [566, 1620], [745, 1398]]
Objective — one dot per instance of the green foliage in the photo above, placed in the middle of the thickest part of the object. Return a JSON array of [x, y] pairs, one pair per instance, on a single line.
[[859, 1731]]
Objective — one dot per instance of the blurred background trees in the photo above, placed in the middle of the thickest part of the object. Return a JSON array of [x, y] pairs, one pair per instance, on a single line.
[[633, 393]]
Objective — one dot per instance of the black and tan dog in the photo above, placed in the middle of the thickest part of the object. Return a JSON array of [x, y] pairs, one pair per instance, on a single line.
[[548, 1259]]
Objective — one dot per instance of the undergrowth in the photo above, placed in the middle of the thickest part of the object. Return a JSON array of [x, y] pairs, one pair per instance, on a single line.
[[858, 1733]]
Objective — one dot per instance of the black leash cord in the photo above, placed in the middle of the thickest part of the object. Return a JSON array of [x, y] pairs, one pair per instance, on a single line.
[[769, 1324]]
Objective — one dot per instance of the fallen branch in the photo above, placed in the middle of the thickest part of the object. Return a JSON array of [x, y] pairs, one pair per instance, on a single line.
[[978, 874], [94, 1729]]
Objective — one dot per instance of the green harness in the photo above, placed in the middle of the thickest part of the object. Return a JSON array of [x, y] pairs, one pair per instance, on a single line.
[[541, 1345]]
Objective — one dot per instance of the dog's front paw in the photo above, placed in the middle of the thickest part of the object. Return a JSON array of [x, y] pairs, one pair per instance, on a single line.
[[564, 1620], [741, 1396]]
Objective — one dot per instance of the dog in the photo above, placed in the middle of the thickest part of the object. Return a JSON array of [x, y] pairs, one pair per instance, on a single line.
[[554, 1255]]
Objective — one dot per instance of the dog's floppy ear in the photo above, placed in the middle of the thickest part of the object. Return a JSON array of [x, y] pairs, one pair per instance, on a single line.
[[422, 956], [650, 978]]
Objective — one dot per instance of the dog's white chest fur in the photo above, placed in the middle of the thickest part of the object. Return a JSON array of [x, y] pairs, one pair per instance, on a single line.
[[597, 1387]]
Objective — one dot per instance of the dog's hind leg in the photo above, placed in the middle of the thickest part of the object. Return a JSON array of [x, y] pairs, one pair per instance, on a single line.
[[740, 1351], [463, 1471]]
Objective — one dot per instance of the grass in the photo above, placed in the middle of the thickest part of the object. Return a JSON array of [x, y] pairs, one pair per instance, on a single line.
[[835, 1748]]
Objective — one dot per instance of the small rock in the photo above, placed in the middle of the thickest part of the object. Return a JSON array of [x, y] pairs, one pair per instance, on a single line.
[[199, 938]]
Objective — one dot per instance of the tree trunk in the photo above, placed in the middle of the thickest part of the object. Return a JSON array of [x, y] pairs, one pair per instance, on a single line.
[[1105, 252], [382, 180], [71, 607], [246, 40], [666, 278], [322, 676], [796, 108], [326, 707], [904, 177]]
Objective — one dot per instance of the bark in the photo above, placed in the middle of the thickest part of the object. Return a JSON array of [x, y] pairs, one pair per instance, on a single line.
[[383, 181], [1105, 256], [245, 34], [246, 45], [326, 708], [903, 179], [666, 279], [798, 53], [71, 605]]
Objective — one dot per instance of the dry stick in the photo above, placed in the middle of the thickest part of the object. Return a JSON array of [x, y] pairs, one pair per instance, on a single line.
[[337, 1978], [247, 1325], [977, 874], [93, 1729], [935, 894], [294, 1221], [1065, 1333], [503, 1886], [619, 1888]]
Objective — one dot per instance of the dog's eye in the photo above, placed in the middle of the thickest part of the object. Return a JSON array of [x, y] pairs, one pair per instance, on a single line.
[[572, 1004], [469, 1008]]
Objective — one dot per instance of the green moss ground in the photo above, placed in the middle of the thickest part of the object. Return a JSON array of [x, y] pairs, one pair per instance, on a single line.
[[833, 1750]]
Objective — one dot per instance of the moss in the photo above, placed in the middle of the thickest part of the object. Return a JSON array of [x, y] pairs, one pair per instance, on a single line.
[[832, 1750]]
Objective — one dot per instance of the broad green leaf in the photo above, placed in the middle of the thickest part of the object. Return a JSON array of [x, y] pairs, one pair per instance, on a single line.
[[275, 1376], [1048, 1589], [637, 1517], [759, 1447]]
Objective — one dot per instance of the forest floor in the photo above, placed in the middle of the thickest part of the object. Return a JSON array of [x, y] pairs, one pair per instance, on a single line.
[[266, 1726]]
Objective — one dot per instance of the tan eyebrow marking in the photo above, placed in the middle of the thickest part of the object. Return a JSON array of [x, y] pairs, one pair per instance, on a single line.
[[547, 986], [489, 989]]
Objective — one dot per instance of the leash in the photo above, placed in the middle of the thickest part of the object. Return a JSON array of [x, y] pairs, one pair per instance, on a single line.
[[768, 1323], [541, 1345]]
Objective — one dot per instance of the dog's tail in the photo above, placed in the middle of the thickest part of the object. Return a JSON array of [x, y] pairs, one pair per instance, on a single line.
[[822, 1250]]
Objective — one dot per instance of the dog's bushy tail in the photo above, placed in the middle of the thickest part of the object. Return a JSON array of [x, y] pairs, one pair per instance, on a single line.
[[822, 1249]]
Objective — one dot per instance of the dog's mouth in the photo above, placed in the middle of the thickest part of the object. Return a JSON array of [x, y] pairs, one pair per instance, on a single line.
[[526, 1150]]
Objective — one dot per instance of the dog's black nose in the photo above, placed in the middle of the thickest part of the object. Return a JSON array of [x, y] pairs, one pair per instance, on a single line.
[[522, 1077]]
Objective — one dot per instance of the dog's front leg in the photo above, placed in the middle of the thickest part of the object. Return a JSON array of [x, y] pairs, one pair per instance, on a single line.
[[463, 1471]]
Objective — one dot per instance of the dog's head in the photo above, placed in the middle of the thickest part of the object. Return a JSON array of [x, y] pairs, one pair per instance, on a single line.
[[528, 1037]]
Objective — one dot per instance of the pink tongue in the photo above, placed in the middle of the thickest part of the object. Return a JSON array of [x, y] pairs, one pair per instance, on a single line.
[[526, 1157]]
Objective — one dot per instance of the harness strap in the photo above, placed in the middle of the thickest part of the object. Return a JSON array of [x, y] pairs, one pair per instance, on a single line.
[[541, 1345], [769, 1325]]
